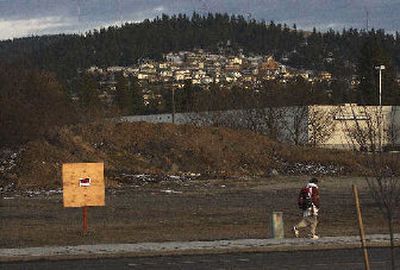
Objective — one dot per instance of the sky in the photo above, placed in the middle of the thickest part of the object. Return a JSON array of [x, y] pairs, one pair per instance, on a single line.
[[20, 18]]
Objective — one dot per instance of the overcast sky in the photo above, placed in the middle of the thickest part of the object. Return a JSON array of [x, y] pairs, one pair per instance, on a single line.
[[20, 18]]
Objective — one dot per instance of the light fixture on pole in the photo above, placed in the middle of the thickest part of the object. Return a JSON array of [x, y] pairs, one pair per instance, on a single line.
[[380, 68]]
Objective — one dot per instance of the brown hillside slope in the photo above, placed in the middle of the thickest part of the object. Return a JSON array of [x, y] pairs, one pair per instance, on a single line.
[[162, 149]]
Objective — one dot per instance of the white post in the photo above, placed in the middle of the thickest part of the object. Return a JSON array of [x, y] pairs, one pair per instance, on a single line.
[[278, 231], [380, 68], [380, 87]]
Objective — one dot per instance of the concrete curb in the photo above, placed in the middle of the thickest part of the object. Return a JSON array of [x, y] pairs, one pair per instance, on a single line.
[[185, 248]]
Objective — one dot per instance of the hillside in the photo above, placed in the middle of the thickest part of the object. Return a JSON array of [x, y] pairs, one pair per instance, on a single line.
[[141, 152], [125, 45]]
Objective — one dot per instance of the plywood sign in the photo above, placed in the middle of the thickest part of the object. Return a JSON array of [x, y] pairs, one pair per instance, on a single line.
[[83, 184]]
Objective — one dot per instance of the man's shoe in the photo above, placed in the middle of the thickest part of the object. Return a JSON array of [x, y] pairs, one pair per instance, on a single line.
[[296, 232], [315, 237]]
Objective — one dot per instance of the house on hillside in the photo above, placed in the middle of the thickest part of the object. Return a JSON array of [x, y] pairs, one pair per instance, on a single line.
[[269, 68], [182, 75], [307, 75], [94, 69], [325, 76], [174, 58]]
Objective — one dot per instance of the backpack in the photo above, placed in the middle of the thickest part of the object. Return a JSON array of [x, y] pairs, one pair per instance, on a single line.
[[305, 200]]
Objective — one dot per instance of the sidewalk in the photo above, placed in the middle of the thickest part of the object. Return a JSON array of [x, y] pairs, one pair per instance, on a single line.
[[181, 248]]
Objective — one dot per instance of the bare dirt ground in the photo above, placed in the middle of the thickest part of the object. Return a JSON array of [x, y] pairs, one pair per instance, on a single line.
[[193, 210]]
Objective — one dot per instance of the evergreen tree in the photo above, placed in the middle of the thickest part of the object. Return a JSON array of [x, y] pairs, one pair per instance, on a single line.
[[123, 97], [136, 93], [89, 97], [185, 97]]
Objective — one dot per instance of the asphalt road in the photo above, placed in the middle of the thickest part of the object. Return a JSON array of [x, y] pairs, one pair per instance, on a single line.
[[324, 260]]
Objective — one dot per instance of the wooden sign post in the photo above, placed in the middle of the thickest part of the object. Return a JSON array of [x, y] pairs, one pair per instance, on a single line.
[[83, 186], [361, 227]]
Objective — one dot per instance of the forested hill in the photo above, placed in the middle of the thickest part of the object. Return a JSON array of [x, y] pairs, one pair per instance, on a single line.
[[65, 54]]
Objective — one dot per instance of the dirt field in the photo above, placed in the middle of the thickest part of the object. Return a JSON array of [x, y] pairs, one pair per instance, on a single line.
[[195, 210]]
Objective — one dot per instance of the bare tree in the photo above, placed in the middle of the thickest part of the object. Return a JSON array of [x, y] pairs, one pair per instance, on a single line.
[[262, 120], [294, 124], [384, 185], [371, 128], [294, 121], [393, 128], [321, 124], [248, 110]]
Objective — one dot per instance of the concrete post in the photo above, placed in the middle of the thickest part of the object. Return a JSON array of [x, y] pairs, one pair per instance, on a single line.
[[277, 225]]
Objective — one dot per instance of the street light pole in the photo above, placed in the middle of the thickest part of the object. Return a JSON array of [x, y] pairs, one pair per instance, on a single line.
[[380, 68]]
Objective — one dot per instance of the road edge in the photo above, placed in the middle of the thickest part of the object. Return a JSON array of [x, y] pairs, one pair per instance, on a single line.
[[184, 248]]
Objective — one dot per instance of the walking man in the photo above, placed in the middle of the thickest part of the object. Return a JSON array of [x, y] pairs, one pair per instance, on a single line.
[[308, 202]]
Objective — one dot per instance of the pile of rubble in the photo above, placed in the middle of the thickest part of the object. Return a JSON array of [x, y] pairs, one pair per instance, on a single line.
[[144, 179], [312, 168], [8, 162], [6, 187], [285, 167], [42, 192], [8, 159]]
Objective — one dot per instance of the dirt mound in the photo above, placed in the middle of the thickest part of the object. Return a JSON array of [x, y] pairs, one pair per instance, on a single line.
[[166, 149]]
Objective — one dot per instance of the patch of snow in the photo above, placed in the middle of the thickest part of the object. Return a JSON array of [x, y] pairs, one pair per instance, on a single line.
[[143, 179], [170, 191]]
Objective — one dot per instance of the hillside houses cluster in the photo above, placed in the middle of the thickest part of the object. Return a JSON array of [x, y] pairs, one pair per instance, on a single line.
[[204, 68]]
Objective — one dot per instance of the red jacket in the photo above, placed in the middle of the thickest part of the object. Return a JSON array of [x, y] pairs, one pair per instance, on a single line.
[[314, 190]]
